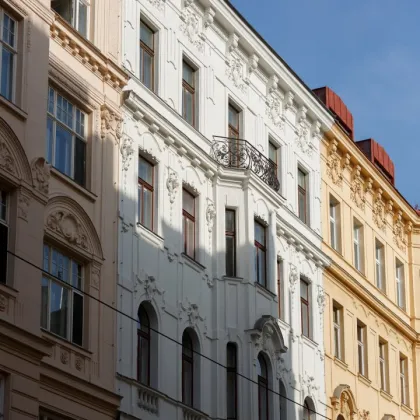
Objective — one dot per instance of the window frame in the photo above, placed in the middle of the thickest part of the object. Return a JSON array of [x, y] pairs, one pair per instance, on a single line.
[[11, 48], [233, 371], [192, 218], [146, 336], [72, 290], [400, 283], [303, 193], [75, 7], [383, 365], [335, 236], [361, 349], [404, 382], [358, 247], [338, 332], [192, 90], [231, 234], [144, 48], [190, 360], [380, 276], [280, 268], [307, 303], [143, 184], [260, 248], [263, 384], [4, 221]]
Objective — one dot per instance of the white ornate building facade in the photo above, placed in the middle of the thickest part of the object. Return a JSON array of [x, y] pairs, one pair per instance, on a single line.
[[220, 267]]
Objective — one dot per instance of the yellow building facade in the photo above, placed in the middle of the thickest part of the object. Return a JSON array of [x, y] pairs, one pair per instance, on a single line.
[[372, 301]]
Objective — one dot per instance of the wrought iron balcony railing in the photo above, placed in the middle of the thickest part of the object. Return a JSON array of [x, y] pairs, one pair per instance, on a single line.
[[238, 153]]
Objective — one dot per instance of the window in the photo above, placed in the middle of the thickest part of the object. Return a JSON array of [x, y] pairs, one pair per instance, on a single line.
[[187, 370], [230, 233], [280, 286], [361, 348], [302, 196], [2, 396], [399, 275], [335, 224], [233, 134], [358, 245], [74, 12], [4, 236], [308, 409], [262, 372], [188, 94], [145, 193], [8, 54], [188, 225], [283, 401], [383, 364], [231, 385], [143, 347], [404, 380], [273, 156], [338, 333], [380, 266], [147, 56], [260, 253], [66, 137], [62, 305], [304, 308]]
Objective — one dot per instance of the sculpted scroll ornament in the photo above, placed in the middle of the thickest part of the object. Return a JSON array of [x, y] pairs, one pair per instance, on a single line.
[[66, 224], [41, 173], [364, 415], [302, 133], [274, 109], [321, 299], [190, 27], [192, 313], [358, 193], [379, 215], [110, 123], [401, 231], [210, 215], [127, 151], [23, 206], [3, 303], [335, 168], [159, 4], [172, 184], [6, 160], [309, 385], [235, 72]]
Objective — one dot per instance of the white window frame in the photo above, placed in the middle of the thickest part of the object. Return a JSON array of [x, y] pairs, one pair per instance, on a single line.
[[380, 267], [383, 365], [337, 321], [400, 283], [12, 48], [361, 348], [358, 245], [335, 224], [404, 380]]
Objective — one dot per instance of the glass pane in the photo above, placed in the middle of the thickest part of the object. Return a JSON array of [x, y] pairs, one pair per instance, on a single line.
[[147, 68], [44, 303], [77, 319], [230, 220], [360, 355], [82, 19], [302, 207], [144, 360], [46, 265], [188, 107], [9, 26], [3, 203], [80, 123], [259, 233], [188, 202], [305, 325], [231, 395], [272, 152], [63, 149], [59, 309], [147, 208], [80, 162], [63, 8], [7, 58], [230, 256], [261, 268], [140, 203], [262, 396], [188, 74], [145, 171], [76, 273], [304, 290], [143, 321], [190, 246], [187, 385], [51, 100], [233, 117], [231, 356], [3, 252], [302, 179], [146, 35], [64, 111], [50, 139]]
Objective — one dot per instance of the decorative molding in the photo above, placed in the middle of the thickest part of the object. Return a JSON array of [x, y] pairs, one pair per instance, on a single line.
[[210, 214], [364, 415], [172, 184], [24, 201], [192, 313], [3, 303], [67, 225], [401, 231], [64, 357], [308, 384], [158, 4], [235, 73], [293, 278], [127, 151], [96, 276], [302, 132], [335, 167], [151, 289], [79, 363], [110, 123], [357, 187], [6, 159], [191, 187], [190, 27], [288, 101], [274, 103], [41, 173], [285, 374], [321, 299], [379, 211]]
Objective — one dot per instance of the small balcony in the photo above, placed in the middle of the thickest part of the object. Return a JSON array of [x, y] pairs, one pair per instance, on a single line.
[[191, 414], [240, 154], [148, 399]]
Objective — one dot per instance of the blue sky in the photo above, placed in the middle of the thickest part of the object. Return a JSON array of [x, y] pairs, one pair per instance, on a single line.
[[368, 52]]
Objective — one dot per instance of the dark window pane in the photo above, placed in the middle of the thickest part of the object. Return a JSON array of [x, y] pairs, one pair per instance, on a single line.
[[44, 303], [77, 319], [188, 202], [63, 8], [189, 238], [63, 150], [7, 58], [230, 256], [4, 234], [305, 324], [233, 117], [59, 310], [50, 139], [187, 385], [146, 35], [302, 179], [80, 162], [188, 107], [144, 358], [231, 395], [145, 171], [147, 67], [147, 208], [230, 220], [188, 74]]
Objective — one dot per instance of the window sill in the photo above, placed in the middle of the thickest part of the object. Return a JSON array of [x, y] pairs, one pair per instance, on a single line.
[[229, 278], [20, 113], [311, 343], [407, 409], [56, 339], [364, 379], [149, 234], [340, 363], [386, 395], [195, 265], [264, 289], [89, 195], [9, 290]]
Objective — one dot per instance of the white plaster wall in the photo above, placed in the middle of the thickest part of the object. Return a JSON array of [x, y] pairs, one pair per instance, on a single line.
[[226, 308]]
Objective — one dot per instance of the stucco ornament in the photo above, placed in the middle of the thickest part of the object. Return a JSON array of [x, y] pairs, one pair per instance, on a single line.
[[401, 231], [379, 214], [159, 4], [110, 123], [23, 205], [274, 102], [78, 363], [235, 72], [127, 151], [192, 313], [335, 168], [293, 278], [210, 215], [321, 299], [190, 27], [358, 193], [364, 415], [308, 384], [343, 403], [172, 184], [6, 160], [64, 357], [41, 173], [302, 133], [283, 373], [3, 303], [66, 224], [96, 276]]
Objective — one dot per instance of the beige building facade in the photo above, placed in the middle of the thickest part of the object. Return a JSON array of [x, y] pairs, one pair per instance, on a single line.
[[371, 287], [60, 129]]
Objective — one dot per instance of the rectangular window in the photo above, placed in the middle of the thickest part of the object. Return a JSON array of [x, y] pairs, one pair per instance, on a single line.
[[399, 276], [2, 396], [231, 385], [8, 54], [338, 333], [335, 236], [188, 225], [361, 348], [230, 234], [404, 380], [280, 287], [380, 266], [66, 137], [147, 56], [189, 102], [383, 364], [75, 12], [4, 237], [145, 193], [62, 307], [303, 196], [233, 134], [260, 253], [358, 245], [304, 308]]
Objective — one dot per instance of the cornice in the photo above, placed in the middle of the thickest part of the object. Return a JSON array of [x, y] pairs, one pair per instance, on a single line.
[[88, 54]]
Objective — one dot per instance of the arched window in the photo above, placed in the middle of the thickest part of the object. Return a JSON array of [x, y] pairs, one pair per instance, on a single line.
[[143, 347], [308, 409], [231, 384], [283, 401], [187, 369], [262, 372]]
